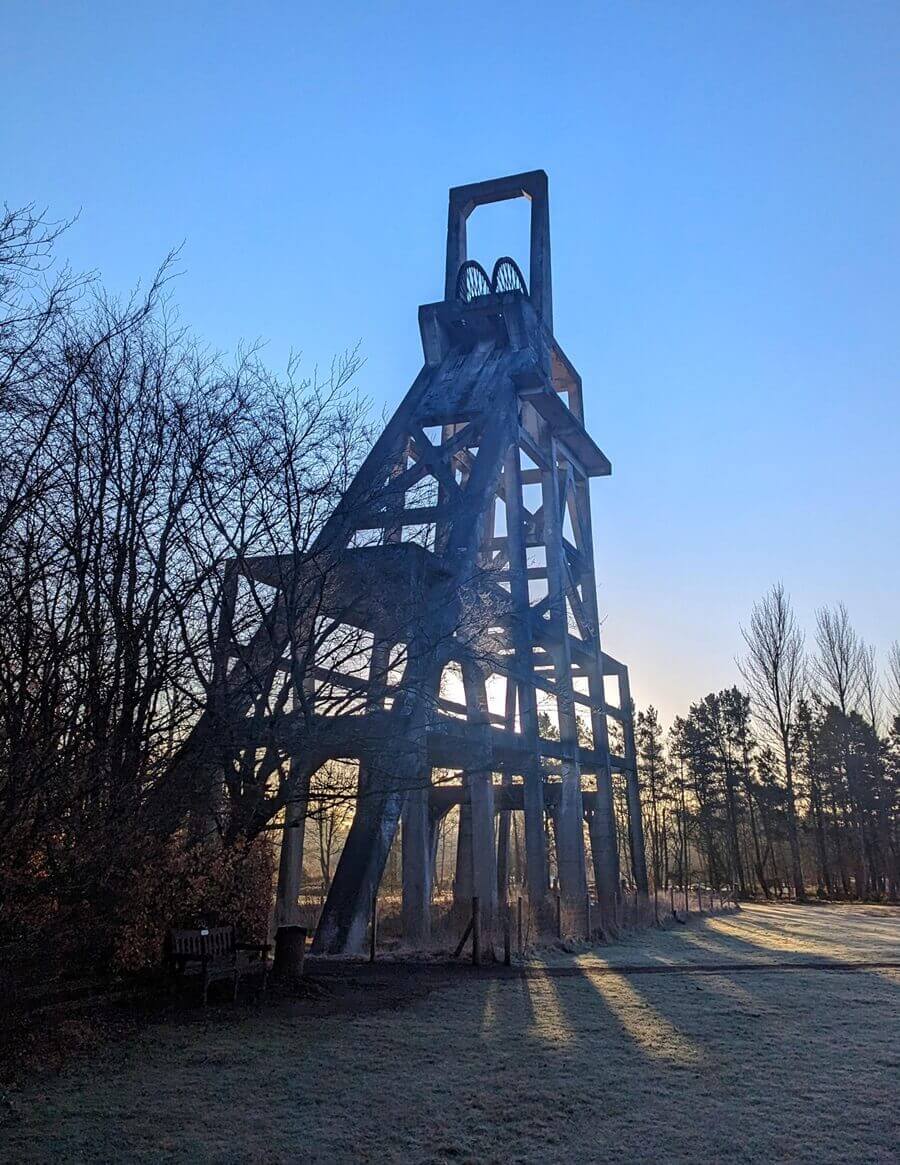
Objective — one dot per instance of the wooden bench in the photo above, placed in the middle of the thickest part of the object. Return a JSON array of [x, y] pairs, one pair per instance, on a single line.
[[212, 953]]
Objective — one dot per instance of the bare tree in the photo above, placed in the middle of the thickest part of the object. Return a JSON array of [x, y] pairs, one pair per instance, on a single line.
[[839, 662], [893, 677], [332, 812], [774, 669], [135, 470], [870, 685]]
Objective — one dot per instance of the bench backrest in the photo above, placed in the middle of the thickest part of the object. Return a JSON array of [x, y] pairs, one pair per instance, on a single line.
[[212, 941]]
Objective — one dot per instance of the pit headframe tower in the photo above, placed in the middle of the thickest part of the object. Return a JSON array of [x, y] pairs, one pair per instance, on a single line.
[[473, 505]]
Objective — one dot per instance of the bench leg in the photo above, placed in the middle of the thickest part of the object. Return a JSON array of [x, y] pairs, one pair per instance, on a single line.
[[205, 988]]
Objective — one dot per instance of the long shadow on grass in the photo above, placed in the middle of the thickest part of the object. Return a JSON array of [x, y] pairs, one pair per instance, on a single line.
[[720, 936], [731, 959], [819, 925], [745, 949], [570, 1007], [787, 941]]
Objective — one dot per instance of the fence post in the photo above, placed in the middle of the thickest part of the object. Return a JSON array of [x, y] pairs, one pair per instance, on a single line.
[[687, 908], [476, 932], [672, 898], [519, 936], [558, 916], [373, 929], [699, 898], [656, 905]]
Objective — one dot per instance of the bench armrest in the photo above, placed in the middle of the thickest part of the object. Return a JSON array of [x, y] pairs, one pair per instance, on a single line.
[[180, 960]]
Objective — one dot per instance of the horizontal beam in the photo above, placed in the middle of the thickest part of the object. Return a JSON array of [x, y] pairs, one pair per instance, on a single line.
[[585, 453], [507, 798], [417, 516]]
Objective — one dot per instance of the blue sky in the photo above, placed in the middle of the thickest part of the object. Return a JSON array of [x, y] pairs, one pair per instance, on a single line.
[[725, 185]]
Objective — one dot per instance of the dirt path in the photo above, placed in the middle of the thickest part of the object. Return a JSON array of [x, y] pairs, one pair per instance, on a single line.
[[665, 1048]]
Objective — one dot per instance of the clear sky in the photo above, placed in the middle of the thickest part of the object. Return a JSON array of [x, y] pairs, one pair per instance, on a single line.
[[724, 191]]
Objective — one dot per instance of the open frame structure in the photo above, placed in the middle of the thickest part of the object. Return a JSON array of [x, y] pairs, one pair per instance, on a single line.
[[464, 549]]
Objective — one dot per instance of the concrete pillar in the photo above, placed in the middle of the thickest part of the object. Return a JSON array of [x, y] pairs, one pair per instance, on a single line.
[[505, 815], [541, 288], [383, 791], [536, 877], [417, 863], [604, 846], [569, 830], [533, 791], [484, 857], [503, 829], [480, 782], [570, 815], [290, 865], [345, 915], [434, 827], [463, 886]]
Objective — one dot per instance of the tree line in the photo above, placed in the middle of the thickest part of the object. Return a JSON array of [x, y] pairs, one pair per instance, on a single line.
[[788, 782]]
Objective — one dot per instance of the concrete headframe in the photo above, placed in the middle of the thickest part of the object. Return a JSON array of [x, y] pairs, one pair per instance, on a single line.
[[482, 473]]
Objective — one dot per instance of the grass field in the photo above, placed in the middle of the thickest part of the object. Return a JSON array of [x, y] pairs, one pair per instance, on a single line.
[[725, 1040]]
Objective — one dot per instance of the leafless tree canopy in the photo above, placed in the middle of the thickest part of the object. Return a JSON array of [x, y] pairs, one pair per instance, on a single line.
[[774, 666], [870, 685], [134, 465], [775, 671], [794, 783], [841, 660], [893, 678]]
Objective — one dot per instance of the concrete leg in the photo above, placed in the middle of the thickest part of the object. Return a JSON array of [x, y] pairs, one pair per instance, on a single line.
[[570, 837], [434, 828], [536, 876], [484, 857], [417, 864], [462, 882], [345, 915], [604, 851], [503, 830], [290, 864]]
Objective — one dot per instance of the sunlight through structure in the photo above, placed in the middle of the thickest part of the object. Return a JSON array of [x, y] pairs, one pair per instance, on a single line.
[[550, 1024], [653, 1033]]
